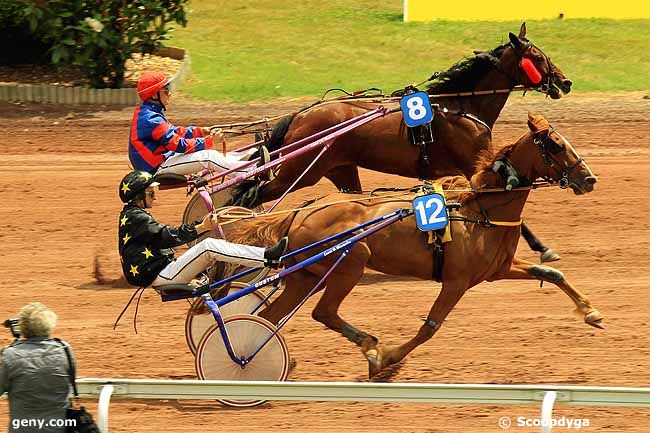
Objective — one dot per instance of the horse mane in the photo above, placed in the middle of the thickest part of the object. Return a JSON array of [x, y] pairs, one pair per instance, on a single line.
[[259, 231], [462, 75], [483, 176]]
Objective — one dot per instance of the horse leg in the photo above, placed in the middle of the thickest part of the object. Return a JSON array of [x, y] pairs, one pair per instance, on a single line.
[[339, 285], [524, 270], [345, 178], [452, 291], [546, 254]]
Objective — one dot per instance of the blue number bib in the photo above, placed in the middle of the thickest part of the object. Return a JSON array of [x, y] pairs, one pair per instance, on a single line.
[[416, 109], [430, 212]]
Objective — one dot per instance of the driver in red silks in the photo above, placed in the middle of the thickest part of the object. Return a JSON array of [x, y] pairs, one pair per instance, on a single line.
[[158, 147]]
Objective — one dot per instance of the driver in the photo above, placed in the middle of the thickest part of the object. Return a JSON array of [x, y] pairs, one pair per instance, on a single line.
[[145, 246], [157, 146]]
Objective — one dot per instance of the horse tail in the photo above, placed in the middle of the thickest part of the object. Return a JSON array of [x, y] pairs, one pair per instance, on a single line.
[[278, 133], [261, 231]]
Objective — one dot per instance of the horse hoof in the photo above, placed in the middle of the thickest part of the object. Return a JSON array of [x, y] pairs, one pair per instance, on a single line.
[[387, 373], [374, 361], [594, 319], [549, 256], [292, 364]]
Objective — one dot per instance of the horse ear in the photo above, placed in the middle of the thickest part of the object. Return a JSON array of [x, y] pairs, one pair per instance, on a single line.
[[477, 52], [514, 40], [522, 30], [531, 122]]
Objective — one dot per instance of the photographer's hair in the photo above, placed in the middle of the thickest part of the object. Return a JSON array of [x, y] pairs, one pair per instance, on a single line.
[[36, 320]]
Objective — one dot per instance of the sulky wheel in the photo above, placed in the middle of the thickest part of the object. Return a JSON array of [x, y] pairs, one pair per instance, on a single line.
[[246, 334], [199, 318]]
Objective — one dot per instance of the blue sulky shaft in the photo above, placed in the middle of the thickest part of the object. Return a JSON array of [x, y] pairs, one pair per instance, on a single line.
[[379, 223]]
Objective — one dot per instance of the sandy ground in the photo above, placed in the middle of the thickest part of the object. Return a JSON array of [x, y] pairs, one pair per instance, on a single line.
[[58, 183]]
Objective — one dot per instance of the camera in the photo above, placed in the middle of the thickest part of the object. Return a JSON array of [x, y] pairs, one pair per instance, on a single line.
[[13, 325]]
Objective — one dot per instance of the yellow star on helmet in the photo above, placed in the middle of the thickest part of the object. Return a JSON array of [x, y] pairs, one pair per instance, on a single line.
[[123, 221], [134, 270], [144, 175], [126, 238], [125, 187], [147, 253]]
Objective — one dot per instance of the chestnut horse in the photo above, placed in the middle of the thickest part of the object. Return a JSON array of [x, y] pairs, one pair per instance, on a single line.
[[382, 145], [478, 252]]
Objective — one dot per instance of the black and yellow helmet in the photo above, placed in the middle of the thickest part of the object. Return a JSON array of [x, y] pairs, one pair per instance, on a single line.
[[134, 184]]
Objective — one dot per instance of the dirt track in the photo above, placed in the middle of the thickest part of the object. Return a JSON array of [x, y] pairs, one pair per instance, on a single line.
[[58, 180]]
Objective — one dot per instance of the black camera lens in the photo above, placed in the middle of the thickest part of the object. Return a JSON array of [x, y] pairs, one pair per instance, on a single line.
[[12, 324]]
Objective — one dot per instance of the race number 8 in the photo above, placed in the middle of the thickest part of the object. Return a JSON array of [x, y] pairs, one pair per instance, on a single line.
[[416, 108]]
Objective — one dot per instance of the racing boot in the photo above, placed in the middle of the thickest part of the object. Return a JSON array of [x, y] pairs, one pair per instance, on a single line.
[[265, 158], [273, 254]]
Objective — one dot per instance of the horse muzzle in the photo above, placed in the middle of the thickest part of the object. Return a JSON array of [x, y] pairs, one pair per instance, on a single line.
[[585, 186], [558, 87]]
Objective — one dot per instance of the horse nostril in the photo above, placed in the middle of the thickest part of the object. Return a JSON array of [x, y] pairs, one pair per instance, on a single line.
[[591, 179], [566, 84]]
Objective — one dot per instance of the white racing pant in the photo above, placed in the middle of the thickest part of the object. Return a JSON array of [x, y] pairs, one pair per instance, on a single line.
[[213, 160], [205, 254]]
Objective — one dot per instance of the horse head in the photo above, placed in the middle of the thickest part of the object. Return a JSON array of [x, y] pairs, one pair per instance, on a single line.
[[527, 65], [545, 153]]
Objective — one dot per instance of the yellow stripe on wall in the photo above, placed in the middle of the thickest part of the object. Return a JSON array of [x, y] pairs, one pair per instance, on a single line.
[[506, 10]]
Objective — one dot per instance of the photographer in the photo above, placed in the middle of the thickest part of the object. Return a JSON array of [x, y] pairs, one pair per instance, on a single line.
[[34, 373]]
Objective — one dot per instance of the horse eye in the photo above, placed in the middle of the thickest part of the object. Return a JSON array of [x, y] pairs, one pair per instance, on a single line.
[[555, 147]]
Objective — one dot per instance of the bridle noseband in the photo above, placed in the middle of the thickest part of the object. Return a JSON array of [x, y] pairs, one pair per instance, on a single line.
[[549, 147]]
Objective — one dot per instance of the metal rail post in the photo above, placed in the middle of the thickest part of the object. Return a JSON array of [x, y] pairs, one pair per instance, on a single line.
[[547, 410], [102, 407]]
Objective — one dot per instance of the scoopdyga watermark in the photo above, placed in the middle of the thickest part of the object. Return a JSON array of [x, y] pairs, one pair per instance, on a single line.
[[506, 422]]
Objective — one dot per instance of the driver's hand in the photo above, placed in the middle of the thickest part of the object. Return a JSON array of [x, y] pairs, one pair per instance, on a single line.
[[217, 136], [206, 224]]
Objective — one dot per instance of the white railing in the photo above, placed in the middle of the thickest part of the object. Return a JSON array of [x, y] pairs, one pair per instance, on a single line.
[[106, 388]]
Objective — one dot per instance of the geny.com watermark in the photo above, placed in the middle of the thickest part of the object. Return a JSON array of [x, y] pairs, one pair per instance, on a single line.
[[41, 423], [521, 421]]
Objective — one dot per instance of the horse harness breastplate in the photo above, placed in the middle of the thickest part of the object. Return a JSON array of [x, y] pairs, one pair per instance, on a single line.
[[422, 136], [438, 258]]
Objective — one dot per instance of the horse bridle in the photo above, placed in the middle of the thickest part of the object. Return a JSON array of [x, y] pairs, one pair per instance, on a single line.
[[550, 147], [520, 53]]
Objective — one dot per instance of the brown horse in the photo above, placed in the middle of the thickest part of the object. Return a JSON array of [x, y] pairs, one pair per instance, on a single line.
[[479, 251], [382, 145]]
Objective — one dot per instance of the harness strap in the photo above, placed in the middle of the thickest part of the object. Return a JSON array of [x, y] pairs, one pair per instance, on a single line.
[[486, 222], [505, 223]]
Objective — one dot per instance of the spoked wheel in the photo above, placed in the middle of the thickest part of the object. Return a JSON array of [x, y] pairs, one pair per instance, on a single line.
[[196, 210], [246, 333], [199, 317]]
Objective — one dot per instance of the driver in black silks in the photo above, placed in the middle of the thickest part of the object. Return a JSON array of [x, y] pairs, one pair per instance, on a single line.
[[145, 245]]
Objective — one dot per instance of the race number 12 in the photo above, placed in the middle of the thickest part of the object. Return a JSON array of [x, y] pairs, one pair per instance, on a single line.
[[430, 212]]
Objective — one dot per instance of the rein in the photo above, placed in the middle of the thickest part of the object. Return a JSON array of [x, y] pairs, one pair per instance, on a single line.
[[380, 98], [234, 214]]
